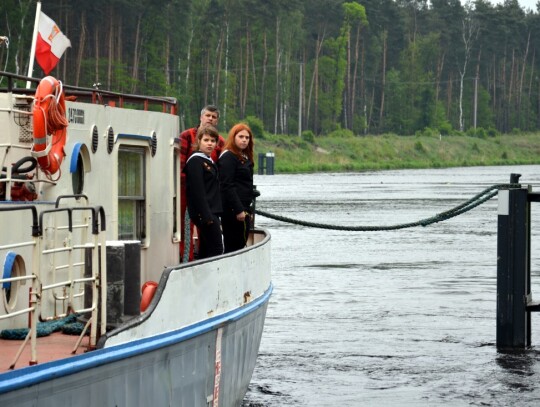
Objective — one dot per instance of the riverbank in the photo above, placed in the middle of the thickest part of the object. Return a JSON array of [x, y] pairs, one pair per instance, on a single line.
[[337, 154]]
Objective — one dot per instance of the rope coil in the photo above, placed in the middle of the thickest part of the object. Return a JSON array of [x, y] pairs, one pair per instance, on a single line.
[[472, 203]]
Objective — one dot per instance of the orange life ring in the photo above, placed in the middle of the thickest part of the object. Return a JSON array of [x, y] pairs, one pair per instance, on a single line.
[[49, 115], [148, 290]]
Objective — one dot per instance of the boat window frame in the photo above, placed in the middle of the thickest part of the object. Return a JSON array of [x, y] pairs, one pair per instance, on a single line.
[[140, 199]]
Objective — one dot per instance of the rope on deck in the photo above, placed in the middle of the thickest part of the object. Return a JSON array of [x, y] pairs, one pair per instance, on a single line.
[[472, 203], [68, 323]]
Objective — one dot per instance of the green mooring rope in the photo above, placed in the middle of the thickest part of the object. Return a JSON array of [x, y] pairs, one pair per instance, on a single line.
[[43, 328], [69, 324], [475, 201]]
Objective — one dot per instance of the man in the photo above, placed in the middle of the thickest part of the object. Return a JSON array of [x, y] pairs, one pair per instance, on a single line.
[[188, 144]]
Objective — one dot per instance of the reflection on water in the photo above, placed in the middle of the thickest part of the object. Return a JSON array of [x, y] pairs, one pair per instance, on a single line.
[[404, 317]]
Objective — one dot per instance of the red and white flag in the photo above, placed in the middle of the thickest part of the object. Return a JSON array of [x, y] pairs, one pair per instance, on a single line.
[[50, 44]]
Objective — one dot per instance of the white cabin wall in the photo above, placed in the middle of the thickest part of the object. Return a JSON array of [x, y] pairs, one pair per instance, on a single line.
[[100, 182], [159, 244]]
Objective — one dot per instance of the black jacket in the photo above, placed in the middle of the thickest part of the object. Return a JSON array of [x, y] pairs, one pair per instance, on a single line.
[[236, 183], [202, 188]]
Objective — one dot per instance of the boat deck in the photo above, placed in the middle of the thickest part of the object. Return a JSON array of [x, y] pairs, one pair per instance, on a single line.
[[55, 346]]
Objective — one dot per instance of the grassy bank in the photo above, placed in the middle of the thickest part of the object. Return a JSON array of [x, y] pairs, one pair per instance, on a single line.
[[325, 154]]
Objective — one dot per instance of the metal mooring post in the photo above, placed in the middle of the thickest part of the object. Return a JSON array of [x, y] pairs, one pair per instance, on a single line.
[[270, 163], [513, 267], [262, 162]]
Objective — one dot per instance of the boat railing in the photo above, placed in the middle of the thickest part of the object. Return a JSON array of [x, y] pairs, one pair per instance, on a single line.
[[14, 164], [54, 251], [94, 95]]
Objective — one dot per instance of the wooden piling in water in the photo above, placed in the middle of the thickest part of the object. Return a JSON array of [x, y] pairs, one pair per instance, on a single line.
[[513, 269]]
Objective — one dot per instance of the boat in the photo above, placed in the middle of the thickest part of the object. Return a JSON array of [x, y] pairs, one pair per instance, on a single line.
[[90, 237]]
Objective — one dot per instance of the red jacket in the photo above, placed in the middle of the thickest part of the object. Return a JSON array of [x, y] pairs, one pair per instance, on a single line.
[[188, 143]]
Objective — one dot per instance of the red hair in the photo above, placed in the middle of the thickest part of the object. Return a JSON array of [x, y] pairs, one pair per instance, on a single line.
[[231, 145]]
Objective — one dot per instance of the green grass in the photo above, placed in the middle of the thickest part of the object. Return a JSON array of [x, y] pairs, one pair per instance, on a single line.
[[333, 154]]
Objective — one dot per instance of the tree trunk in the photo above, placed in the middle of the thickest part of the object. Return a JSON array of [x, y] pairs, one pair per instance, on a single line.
[[461, 79], [494, 89], [348, 84], [239, 67], [285, 94], [314, 87], [523, 120], [371, 104], [167, 58], [96, 59], [278, 57], [82, 39], [206, 79], [67, 31], [225, 97], [531, 78], [189, 102], [468, 35], [119, 47], [440, 67], [255, 97], [476, 81], [136, 56], [218, 68], [383, 80], [188, 61], [449, 95], [111, 47], [246, 73], [504, 96], [513, 70], [263, 81], [363, 84], [355, 73]]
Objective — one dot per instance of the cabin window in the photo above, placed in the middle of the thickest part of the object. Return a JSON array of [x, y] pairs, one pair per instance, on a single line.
[[131, 194]]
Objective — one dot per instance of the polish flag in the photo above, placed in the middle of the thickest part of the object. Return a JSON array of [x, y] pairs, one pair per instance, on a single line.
[[50, 44]]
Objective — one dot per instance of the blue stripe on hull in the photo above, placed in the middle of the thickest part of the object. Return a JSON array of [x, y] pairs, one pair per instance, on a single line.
[[170, 367]]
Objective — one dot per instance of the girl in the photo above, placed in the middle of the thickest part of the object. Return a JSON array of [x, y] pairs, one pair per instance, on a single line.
[[236, 182]]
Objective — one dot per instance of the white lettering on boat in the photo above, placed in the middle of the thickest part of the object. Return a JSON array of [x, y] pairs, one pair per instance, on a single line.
[[76, 116]]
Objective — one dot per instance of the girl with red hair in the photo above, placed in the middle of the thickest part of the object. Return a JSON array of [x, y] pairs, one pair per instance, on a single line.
[[236, 184]]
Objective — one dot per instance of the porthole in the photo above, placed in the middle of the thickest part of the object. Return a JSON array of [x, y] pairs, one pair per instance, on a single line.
[[79, 166], [95, 139], [13, 267], [110, 140], [77, 177], [154, 143]]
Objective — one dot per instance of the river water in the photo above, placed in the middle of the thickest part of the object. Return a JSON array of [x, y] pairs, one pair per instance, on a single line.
[[404, 317]]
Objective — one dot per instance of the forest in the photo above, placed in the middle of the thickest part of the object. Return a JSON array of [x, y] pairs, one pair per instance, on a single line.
[[298, 67]]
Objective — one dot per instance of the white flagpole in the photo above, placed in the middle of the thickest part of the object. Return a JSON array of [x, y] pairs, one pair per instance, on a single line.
[[34, 39]]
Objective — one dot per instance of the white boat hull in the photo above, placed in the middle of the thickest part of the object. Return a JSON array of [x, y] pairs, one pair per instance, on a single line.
[[208, 362], [175, 369]]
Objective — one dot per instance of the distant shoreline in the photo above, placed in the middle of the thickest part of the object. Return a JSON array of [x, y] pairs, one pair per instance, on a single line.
[[386, 152]]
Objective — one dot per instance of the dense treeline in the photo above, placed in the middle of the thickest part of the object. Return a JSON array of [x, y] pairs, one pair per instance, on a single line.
[[371, 66]]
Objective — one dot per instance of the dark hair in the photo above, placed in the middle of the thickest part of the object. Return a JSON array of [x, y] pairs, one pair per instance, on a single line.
[[210, 108], [209, 130], [231, 145]]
